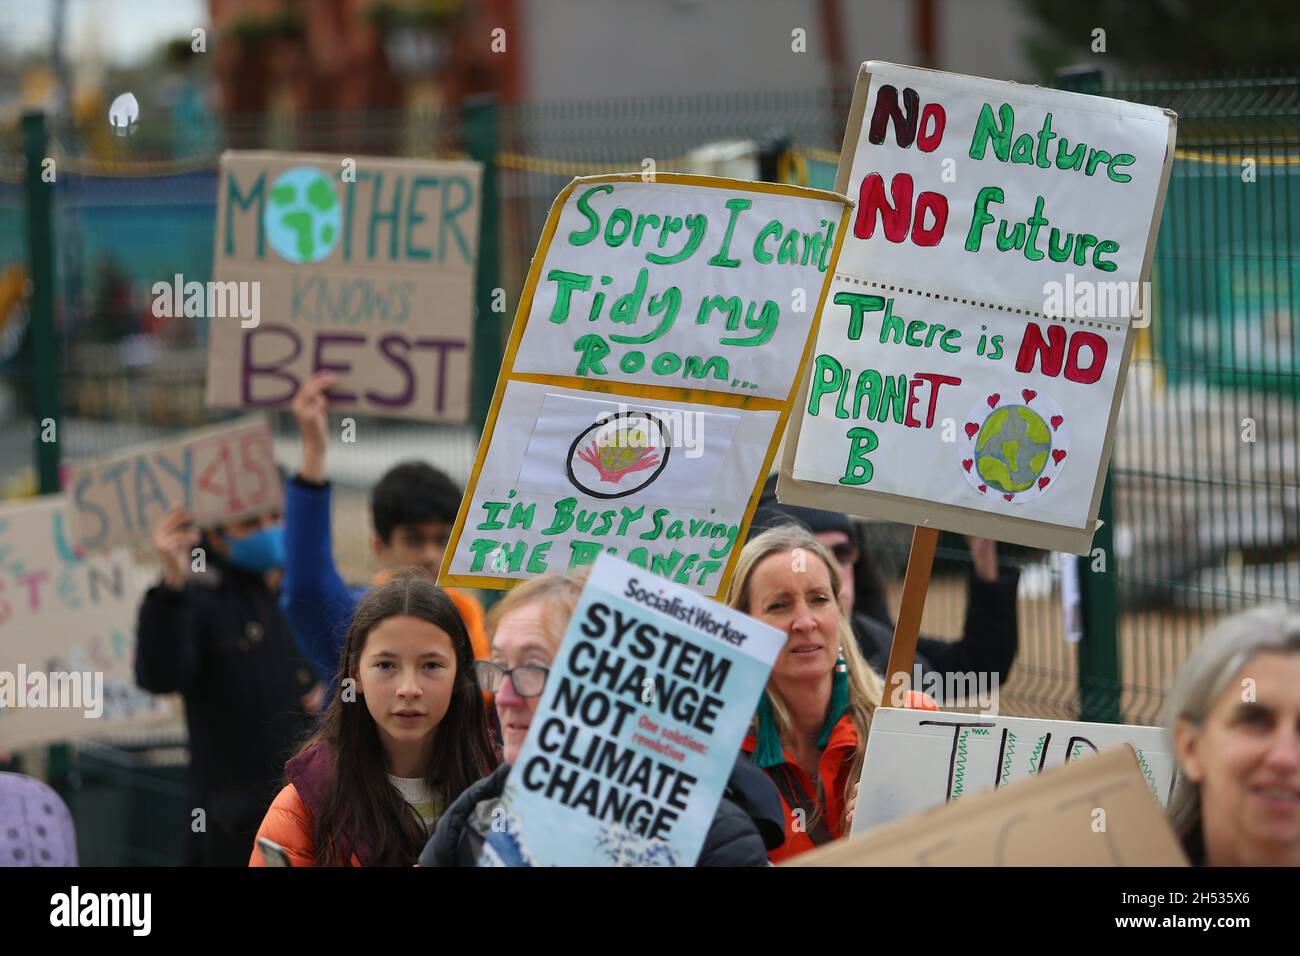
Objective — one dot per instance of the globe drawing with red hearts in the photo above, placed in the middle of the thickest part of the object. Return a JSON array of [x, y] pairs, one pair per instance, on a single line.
[[1014, 445]]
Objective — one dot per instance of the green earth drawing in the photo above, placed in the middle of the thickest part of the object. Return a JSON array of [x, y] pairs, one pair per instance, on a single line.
[[1012, 448], [302, 218]]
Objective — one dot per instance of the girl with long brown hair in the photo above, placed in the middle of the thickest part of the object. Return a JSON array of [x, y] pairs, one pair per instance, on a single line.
[[405, 733]]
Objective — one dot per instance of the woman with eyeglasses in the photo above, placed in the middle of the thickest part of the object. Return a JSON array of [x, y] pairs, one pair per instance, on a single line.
[[526, 629]]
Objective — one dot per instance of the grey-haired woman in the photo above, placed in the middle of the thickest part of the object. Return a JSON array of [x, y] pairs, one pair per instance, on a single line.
[[1234, 715]]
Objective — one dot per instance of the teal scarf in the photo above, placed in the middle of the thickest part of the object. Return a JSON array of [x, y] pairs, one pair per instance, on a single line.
[[767, 753]]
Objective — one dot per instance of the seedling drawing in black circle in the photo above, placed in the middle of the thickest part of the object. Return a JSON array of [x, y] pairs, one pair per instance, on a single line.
[[622, 449]]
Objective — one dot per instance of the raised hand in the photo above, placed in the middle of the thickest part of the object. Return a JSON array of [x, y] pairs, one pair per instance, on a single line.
[[173, 539], [311, 411], [983, 557]]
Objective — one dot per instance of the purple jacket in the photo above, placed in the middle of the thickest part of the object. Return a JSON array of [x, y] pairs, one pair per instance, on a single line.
[[310, 772]]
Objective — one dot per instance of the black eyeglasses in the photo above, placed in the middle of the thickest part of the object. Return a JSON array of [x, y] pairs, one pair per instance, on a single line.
[[529, 679]]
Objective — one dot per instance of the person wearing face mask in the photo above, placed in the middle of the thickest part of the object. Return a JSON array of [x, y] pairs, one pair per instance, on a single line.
[[218, 638]]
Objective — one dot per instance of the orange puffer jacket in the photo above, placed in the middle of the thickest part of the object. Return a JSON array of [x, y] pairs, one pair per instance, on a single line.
[[290, 820], [833, 784]]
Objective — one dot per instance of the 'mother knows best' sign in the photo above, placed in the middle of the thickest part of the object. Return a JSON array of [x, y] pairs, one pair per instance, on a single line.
[[366, 268]]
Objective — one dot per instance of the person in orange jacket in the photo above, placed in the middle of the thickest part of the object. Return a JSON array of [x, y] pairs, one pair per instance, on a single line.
[[405, 733], [810, 731]]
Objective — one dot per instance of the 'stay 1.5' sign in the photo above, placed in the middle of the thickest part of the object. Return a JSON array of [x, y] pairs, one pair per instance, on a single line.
[[218, 474]]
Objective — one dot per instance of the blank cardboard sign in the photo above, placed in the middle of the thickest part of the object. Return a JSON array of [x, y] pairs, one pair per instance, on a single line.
[[1096, 811]]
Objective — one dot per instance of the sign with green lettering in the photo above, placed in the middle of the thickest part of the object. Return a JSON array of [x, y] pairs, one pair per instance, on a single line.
[[648, 378], [360, 266], [969, 370]]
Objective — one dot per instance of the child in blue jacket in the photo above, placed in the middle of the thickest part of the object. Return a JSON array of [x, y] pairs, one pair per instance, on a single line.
[[413, 508]]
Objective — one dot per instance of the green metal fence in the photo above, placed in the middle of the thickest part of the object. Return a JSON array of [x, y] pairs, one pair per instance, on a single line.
[[1206, 474], [1207, 457]]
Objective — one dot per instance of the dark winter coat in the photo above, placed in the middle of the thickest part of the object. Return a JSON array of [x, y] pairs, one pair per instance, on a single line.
[[748, 822], [227, 650]]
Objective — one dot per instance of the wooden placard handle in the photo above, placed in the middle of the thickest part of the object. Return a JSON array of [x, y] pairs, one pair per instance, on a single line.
[[915, 584]]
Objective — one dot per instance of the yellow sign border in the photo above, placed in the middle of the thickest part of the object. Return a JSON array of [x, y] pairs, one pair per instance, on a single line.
[[673, 393]]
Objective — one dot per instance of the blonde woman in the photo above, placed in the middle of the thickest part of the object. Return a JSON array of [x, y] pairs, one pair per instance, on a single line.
[[526, 629], [810, 731], [1234, 715]]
